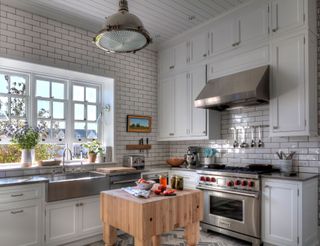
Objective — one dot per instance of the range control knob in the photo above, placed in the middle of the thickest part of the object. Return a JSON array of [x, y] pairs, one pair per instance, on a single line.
[[251, 184], [202, 178], [238, 182], [208, 179], [244, 183], [230, 183], [213, 179]]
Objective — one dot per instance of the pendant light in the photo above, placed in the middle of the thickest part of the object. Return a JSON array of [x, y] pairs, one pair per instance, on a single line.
[[123, 32]]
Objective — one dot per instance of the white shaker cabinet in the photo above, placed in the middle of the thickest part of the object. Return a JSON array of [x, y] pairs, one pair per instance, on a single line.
[[20, 224], [286, 14], [21, 215], [293, 86], [289, 212], [166, 108], [198, 48], [68, 221]]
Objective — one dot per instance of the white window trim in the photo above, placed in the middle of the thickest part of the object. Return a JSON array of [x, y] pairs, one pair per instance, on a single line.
[[107, 85]]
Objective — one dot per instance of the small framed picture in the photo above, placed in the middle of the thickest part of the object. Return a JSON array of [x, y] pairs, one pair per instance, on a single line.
[[138, 123]]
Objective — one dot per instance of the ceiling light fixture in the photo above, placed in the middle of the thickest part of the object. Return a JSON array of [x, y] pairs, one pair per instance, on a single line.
[[123, 32]]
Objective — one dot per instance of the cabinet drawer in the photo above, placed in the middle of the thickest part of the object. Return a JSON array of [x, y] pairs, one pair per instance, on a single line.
[[20, 193]]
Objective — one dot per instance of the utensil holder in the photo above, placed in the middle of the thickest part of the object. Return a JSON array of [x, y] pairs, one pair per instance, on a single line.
[[285, 166]]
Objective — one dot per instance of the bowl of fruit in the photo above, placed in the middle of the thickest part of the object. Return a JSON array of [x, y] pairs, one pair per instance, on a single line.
[[143, 184]]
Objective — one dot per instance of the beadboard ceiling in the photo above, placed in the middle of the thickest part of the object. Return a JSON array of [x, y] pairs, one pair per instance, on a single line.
[[162, 18]]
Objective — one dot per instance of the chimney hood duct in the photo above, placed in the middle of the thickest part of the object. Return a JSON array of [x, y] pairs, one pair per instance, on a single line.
[[246, 88]]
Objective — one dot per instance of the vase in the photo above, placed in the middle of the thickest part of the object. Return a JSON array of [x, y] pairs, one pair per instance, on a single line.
[[100, 158], [27, 157], [92, 157]]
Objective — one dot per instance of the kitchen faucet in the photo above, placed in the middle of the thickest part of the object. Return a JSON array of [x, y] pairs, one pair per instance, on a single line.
[[66, 149]]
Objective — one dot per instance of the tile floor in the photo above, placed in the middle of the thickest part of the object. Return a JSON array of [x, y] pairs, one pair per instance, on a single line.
[[176, 239]]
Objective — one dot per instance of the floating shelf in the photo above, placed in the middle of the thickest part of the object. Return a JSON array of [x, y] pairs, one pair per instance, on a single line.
[[138, 146]]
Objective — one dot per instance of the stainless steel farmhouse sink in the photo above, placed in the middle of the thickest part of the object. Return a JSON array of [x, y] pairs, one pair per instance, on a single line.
[[73, 185]]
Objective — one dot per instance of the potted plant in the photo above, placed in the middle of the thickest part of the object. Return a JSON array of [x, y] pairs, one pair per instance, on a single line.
[[26, 138], [209, 154], [93, 147]]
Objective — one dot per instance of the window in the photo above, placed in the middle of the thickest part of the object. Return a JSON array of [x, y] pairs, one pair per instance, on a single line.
[[71, 104], [85, 105], [51, 102], [14, 92]]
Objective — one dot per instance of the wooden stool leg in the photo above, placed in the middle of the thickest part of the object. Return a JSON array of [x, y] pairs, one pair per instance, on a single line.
[[143, 242], [192, 234], [109, 235], [156, 241]]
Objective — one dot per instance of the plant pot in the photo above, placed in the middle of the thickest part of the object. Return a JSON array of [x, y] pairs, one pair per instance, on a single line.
[[92, 157], [100, 158], [208, 160], [27, 157]]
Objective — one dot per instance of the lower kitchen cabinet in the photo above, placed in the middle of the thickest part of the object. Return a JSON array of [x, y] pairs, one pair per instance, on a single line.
[[68, 221], [190, 178], [21, 215], [289, 212], [20, 224]]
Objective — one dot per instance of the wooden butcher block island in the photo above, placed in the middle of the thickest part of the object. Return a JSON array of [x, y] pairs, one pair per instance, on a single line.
[[147, 219]]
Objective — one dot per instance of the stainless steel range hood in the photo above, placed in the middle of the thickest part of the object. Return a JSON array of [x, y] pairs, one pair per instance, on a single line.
[[247, 88]]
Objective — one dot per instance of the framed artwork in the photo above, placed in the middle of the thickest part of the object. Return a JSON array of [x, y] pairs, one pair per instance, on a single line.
[[138, 123]]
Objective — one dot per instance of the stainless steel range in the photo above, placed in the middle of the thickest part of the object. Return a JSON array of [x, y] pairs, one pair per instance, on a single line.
[[232, 202]]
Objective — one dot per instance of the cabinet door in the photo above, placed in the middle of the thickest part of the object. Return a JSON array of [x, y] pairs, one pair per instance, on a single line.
[[21, 224], [61, 222], [198, 116], [279, 213], [287, 110], [181, 106], [165, 61], [166, 108], [198, 47], [180, 56], [89, 213], [222, 36], [286, 14], [252, 23]]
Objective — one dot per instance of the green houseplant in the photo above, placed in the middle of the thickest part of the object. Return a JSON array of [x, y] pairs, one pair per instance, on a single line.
[[26, 138], [94, 147]]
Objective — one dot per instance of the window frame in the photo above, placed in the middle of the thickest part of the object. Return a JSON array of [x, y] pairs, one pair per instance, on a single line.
[[35, 99]]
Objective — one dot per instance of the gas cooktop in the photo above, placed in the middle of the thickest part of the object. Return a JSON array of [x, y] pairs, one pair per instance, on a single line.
[[255, 169]]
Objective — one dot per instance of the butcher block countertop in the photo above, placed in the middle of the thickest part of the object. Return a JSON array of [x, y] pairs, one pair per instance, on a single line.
[[147, 218]]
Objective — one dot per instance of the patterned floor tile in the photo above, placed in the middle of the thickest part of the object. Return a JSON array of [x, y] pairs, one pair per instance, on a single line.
[[176, 238]]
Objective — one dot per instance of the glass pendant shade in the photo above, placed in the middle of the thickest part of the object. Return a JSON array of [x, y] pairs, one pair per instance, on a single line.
[[123, 32]]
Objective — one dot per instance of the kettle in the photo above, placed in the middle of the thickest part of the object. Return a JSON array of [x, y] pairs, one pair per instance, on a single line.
[[192, 157]]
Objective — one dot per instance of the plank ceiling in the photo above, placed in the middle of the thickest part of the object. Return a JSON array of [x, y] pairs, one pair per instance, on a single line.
[[162, 18]]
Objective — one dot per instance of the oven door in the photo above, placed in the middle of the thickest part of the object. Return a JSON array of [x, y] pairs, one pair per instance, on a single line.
[[233, 211]]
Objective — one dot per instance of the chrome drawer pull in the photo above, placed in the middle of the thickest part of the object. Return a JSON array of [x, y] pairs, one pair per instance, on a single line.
[[17, 212], [17, 195]]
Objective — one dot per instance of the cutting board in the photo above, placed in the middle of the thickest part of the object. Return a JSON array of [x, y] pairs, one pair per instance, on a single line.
[[116, 169]]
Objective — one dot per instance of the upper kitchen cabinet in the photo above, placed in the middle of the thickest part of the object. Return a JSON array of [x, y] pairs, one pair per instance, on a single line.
[[198, 48], [247, 24], [165, 108], [289, 14], [173, 59], [178, 118], [293, 102]]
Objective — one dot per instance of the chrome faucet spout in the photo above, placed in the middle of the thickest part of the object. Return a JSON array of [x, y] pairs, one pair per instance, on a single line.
[[66, 150]]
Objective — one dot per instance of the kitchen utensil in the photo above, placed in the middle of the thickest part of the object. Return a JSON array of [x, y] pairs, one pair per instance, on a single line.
[[279, 155], [175, 161], [235, 137], [243, 142], [253, 142], [260, 143], [290, 156]]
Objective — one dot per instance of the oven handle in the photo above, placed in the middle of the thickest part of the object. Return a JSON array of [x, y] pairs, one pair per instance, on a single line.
[[254, 195]]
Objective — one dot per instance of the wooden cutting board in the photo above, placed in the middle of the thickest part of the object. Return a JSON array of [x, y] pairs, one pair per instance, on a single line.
[[116, 169]]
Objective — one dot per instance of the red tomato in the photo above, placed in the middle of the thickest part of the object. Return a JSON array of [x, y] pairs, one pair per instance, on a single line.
[[157, 192], [162, 188]]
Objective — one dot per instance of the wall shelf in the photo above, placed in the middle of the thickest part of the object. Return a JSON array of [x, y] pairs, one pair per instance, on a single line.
[[138, 146]]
